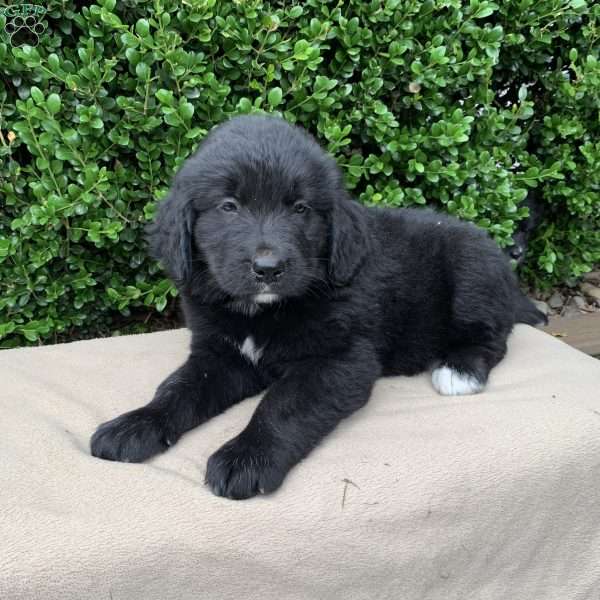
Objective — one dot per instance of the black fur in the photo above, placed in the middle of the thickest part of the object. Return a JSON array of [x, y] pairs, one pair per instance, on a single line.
[[365, 293]]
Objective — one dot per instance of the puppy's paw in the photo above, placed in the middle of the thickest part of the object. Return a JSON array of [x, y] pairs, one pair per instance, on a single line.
[[132, 437], [450, 382], [241, 469]]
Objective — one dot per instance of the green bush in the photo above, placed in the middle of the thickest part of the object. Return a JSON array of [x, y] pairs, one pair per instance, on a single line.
[[464, 105]]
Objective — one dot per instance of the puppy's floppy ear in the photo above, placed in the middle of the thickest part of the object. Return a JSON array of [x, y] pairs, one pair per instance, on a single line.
[[170, 235], [349, 240]]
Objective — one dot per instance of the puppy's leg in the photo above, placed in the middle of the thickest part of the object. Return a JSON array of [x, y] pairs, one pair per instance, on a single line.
[[482, 316], [466, 368], [295, 414], [208, 383]]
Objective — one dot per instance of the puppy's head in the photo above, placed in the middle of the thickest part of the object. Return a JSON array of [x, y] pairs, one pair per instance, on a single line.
[[257, 215]]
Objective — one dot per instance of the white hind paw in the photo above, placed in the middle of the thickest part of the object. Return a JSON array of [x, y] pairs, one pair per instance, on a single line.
[[449, 382]]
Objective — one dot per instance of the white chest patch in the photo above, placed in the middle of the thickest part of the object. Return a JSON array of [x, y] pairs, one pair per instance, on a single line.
[[266, 298], [449, 382], [250, 350]]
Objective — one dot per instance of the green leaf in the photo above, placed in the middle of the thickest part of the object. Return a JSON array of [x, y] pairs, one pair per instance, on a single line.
[[30, 331], [6, 328], [186, 110], [36, 94], [53, 103], [485, 9], [63, 153], [53, 62], [437, 54], [244, 105], [301, 49], [275, 96], [172, 119], [416, 67], [161, 304], [142, 27], [195, 132], [142, 70], [4, 247], [165, 97]]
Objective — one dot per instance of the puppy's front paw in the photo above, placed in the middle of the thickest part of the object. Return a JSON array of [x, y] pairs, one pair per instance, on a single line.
[[450, 382], [241, 469], [132, 437]]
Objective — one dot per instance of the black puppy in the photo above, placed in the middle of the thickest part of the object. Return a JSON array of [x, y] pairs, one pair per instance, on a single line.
[[289, 286]]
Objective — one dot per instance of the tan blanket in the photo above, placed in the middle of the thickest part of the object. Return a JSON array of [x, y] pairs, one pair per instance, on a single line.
[[417, 496]]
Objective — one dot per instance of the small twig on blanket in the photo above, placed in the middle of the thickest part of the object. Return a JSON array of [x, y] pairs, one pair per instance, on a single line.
[[346, 482]]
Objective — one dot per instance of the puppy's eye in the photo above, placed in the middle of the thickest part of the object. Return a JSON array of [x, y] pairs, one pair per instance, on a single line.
[[300, 208], [229, 206]]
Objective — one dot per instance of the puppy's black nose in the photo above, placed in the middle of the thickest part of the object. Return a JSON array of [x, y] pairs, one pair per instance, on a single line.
[[267, 266]]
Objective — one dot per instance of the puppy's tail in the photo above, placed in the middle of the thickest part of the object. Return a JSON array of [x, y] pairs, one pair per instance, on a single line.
[[526, 312]]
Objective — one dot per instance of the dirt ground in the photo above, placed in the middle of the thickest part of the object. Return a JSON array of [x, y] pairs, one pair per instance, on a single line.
[[583, 298]]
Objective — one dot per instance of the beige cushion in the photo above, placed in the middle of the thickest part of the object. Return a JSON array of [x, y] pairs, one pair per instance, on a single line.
[[417, 496]]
